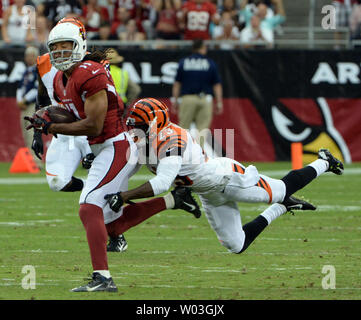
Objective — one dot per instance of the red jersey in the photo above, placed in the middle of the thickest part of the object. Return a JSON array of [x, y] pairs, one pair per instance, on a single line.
[[198, 17], [88, 78]]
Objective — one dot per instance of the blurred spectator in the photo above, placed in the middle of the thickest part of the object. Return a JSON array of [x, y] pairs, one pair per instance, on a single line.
[[142, 17], [255, 35], [92, 16], [355, 21], [4, 4], [105, 33], [196, 16], [127, 89], [54, 10], [27, 92], [167, 27], [268, 20], [16, 27], [41, 33], [120, 21], [128, 5], [131, 32], [230, 7], [196, 82], [226, 30]]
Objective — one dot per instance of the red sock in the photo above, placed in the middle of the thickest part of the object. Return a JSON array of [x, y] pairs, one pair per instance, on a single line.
[[93, 221], [134, 214]]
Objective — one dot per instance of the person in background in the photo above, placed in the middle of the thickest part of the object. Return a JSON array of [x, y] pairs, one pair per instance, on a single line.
[[120, 21], [127, 89], [16, 26], [55, 10], [93, 15], [132, 32], [268, 19], [41, 33], [26, 94], [105, 33], [196, 82], [196, 18], [167, 27], [226, 30], [255, 35], [344, 10], [355, 21]]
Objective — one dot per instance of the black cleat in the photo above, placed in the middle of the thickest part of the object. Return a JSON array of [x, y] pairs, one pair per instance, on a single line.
[[293, 203], [118, 244], [335, 165], [184, 200], [98, 283]]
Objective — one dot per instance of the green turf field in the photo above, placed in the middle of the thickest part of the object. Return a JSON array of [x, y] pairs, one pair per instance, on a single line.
[[175, 256]]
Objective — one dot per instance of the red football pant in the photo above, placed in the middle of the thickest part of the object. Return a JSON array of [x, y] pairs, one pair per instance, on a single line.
[[93, 222], [134, 214]]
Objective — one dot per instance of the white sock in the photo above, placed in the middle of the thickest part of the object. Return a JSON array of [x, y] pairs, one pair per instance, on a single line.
[[320, 166], [169, 201], [104, 273], [273, 212]]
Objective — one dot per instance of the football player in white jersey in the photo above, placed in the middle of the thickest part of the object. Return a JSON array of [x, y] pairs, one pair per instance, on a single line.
[[220, 182]]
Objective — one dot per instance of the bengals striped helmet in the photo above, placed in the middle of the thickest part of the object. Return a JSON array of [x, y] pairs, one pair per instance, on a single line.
[[146, 113]]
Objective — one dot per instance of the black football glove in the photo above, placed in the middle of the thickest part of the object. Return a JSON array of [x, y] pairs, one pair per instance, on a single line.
[[41, 123], [88, 160], [37, 144], [115, 201]]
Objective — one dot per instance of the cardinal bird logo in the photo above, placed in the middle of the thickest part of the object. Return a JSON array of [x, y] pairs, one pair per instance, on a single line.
[[314, 127]]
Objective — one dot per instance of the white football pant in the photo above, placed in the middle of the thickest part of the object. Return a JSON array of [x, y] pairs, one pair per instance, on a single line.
[[222, 211], [115, 162], [63, 158]]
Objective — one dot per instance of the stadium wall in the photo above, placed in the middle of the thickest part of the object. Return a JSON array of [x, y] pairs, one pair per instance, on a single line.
[[271, 99]]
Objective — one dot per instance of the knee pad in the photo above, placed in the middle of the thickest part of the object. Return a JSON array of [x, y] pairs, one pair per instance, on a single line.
[[233, 245], [56, 183]]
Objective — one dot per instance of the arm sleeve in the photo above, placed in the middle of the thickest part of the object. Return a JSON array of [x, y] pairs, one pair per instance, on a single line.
[[167, 171]]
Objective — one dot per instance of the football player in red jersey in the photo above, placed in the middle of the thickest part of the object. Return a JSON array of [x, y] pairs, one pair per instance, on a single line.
[[196, 17], [85, 87]]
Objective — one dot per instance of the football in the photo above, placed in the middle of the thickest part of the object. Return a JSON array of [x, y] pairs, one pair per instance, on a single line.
[[58, 114]]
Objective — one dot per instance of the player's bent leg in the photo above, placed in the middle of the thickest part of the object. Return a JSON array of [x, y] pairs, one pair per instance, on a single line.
[[255, 227], [62, 159], [134, 214], [266, 190], [74, 185], [225, 220]]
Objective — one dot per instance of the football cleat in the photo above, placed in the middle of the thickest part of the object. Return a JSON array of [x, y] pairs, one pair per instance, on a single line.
[[118, 244], [98, 283], [184, 200], [293, 203], [335, 165]]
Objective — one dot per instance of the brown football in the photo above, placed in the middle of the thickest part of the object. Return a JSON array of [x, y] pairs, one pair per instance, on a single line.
[[58, 114]]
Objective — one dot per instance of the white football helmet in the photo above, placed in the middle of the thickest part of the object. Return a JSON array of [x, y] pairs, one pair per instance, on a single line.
[[67, 31]]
